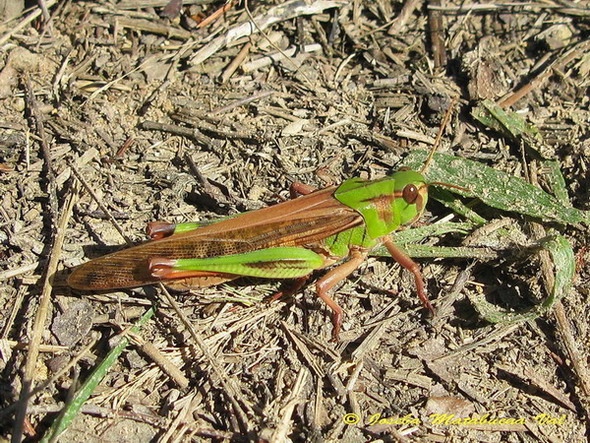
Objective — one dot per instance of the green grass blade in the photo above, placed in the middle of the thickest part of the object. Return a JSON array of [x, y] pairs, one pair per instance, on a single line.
[[68, 414], [413, 235], [510, 124], [496, 188], [427, 251], [407, 239]]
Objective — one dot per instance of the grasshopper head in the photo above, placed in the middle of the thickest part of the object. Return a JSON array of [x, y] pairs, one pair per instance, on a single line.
[[411, 190], [411, 195]]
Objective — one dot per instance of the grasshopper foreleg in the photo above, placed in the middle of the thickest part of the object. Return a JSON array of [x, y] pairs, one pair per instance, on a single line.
[[403, 259], [328, 281]]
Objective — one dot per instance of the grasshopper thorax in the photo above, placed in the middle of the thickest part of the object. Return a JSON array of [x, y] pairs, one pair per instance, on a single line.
[[387, 203]]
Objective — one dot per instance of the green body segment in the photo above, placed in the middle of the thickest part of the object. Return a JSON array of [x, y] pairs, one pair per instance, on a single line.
[[382, 206], [279, 262], [380, 202], [363, 195], [339, 244]]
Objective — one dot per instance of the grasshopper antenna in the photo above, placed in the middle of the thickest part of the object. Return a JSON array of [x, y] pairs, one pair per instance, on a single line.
[[441, 130]]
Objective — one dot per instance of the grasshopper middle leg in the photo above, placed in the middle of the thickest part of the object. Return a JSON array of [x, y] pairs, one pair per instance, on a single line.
[[328, 281]]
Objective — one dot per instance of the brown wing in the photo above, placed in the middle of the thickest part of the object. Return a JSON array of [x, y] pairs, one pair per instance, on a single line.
[[303, 221]]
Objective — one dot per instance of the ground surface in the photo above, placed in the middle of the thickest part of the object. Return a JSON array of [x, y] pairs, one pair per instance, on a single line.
[[145, 111]]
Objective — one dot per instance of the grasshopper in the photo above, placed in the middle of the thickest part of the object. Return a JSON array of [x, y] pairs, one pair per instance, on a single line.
[[337, 225]]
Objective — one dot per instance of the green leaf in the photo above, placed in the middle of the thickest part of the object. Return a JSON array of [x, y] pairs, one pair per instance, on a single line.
[[564, 269], [556, 182], [496, 188]]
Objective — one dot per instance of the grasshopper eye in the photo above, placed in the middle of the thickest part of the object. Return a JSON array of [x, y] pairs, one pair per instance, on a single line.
[[410, 193]]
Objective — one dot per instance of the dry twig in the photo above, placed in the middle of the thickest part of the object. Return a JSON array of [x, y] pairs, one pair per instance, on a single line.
[[285, 11], [41, 317]]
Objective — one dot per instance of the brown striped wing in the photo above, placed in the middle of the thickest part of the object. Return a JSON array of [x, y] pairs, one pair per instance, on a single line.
[[303, 221]]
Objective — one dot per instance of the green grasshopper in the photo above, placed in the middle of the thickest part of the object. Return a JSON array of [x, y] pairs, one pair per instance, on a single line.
[[337, 225]]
